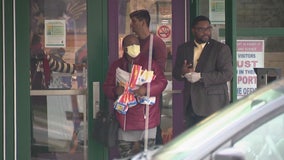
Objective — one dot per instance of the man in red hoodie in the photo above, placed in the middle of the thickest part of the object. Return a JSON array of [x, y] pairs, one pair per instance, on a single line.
[[132, 124], [140, 25]]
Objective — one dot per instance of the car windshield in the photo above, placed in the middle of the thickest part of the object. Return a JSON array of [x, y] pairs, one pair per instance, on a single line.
[[190, 140]]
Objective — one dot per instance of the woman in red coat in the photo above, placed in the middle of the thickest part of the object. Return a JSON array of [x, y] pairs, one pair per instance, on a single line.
[[132, 124]]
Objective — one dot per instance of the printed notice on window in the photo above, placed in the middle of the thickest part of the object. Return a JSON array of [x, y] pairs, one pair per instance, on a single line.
[[217, 11], [250, 55], [55, 34]]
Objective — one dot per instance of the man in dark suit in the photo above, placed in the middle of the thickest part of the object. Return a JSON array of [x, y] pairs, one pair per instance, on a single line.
[[205, 65]]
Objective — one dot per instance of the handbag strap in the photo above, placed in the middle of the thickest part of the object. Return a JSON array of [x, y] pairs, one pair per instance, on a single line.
[[148, 95]]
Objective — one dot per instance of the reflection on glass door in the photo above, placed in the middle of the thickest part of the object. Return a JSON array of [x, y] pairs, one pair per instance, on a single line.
[[58, 56], [160, 24]]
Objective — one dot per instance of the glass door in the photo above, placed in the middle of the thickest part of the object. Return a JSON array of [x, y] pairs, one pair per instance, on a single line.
[[58, 56]]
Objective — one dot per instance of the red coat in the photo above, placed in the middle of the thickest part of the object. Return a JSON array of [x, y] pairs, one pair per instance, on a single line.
[[134, 118]]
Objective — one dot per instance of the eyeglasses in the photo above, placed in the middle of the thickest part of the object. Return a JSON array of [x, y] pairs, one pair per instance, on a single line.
[[203, 29]]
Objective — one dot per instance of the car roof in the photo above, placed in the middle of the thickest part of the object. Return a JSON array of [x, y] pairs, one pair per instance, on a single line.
[[210, 133]]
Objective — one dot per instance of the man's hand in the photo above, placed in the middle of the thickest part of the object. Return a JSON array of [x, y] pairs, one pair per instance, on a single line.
[[193, 77], [119, 90], [79, 67], [141, 91], [186, 68]]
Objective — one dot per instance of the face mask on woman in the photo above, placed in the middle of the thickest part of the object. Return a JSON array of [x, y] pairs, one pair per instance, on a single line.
[[133, 50]]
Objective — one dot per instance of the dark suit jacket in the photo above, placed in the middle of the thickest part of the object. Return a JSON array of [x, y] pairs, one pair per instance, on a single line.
[[215, 63]]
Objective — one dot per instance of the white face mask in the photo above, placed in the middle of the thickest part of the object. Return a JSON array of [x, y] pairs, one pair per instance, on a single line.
[[133, 50]]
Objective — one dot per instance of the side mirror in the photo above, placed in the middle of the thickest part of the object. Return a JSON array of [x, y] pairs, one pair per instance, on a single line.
[[229, 154]]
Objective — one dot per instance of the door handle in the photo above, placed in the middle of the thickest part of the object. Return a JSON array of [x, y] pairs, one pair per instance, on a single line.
[[96, 98]]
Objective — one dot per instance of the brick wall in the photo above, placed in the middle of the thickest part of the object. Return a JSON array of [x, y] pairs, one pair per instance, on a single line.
[[265, 13], [260, 13], [274, 60]]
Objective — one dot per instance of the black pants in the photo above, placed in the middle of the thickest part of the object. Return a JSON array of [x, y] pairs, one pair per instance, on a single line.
[[193, 119], [159, 138], [190, 117]]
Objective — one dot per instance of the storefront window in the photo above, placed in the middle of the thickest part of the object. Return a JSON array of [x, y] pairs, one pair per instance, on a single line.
[[58, 88], [257, 27], [258, 43]]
